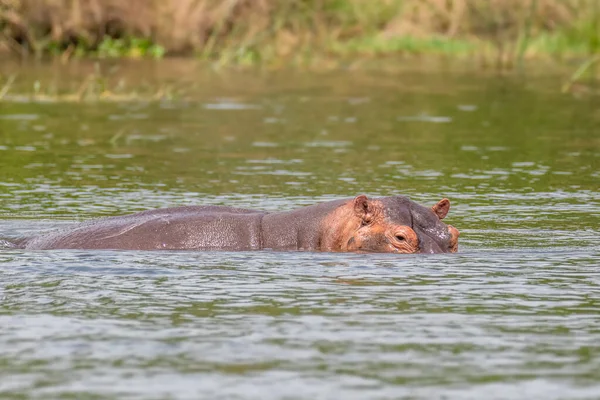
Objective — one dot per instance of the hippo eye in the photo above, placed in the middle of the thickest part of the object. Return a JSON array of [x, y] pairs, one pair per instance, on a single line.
[[404, 239]]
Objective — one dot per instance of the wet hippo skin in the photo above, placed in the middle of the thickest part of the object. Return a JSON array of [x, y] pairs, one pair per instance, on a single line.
[[387, 224]]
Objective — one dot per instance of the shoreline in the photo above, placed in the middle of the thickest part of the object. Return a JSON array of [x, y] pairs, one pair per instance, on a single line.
[[298, 32]]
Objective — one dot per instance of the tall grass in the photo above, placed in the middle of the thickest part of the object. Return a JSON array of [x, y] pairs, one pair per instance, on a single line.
[[254, 31]]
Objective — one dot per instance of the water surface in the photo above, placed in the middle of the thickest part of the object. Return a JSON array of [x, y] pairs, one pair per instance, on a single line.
[[513, 315]]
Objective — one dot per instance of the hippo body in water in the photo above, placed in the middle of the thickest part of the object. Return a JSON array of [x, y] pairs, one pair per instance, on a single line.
[[388, 224]]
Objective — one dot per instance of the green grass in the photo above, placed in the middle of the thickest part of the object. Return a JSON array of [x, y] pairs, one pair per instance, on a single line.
[[109, 47], [98, 86]]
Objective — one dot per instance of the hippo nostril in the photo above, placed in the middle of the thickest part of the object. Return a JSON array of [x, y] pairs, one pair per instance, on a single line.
[[400, 238]]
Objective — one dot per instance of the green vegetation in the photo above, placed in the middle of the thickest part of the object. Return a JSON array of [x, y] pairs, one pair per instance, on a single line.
[[583, 68], [298, 31], [107, 48], [101, 85]]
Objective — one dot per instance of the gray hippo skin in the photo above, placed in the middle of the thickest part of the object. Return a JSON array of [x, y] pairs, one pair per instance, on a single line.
[[387, 224]]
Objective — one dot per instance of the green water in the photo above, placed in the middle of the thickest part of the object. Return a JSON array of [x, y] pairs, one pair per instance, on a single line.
[[514, 315]]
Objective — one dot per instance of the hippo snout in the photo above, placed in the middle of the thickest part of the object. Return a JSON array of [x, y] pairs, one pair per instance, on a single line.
[[442, 241], [430, 247]]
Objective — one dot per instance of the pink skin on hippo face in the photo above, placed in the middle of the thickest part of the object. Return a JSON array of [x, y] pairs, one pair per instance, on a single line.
[[387, 224], [397, 225]]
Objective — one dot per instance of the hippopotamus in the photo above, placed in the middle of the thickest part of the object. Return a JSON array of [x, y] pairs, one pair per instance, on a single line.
[[387, 224]]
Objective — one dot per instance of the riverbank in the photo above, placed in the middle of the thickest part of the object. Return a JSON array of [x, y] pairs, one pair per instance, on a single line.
[[298, 32]]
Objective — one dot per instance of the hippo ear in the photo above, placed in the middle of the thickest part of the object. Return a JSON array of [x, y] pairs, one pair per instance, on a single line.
[[363, 208], [441, 208]]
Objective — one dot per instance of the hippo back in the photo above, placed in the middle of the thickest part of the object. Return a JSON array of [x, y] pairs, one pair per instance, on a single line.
[[193, 227]]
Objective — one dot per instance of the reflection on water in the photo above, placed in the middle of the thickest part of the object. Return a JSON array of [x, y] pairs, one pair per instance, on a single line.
[[513, 315]]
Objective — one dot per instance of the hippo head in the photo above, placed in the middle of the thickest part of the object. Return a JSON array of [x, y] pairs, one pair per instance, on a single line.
[[397, 225]]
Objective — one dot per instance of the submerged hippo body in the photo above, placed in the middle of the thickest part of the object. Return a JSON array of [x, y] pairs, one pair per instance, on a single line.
[[387, 224]]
